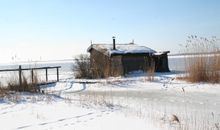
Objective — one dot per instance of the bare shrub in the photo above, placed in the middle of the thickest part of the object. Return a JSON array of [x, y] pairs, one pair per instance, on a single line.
[[14, 85], [82, 66], [204, 63]]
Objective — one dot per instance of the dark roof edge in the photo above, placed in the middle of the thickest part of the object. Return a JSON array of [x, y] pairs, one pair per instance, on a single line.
[[134, 54]]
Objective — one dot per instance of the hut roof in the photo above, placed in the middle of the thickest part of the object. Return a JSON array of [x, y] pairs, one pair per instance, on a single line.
[[121, 49], [161, 53]]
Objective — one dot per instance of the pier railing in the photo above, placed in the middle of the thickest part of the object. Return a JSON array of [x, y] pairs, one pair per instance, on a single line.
[[20, 69]]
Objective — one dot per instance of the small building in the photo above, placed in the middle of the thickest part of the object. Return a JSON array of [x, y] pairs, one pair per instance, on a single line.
[[119, 59]]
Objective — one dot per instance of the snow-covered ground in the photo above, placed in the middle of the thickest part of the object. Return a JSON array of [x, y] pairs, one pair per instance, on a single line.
[[131, 102]]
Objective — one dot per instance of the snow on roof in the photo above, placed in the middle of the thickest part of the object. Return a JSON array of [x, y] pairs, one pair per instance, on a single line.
[[121, 49], [161, 53]]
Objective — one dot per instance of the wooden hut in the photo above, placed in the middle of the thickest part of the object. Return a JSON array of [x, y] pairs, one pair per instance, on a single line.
[[120, 59]]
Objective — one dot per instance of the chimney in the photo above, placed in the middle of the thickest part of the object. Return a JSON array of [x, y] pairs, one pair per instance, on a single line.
[[114, 43]]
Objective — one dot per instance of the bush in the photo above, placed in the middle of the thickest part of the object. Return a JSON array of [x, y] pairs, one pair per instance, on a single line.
[[82, 67], [203, 66]]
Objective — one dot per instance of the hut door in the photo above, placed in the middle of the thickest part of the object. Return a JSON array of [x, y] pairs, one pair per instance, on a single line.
[[132, 63]]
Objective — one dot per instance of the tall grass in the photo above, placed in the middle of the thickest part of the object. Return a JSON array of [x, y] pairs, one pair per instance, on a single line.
[[3, 90], [203, 64], [151, 73], [26, 86]]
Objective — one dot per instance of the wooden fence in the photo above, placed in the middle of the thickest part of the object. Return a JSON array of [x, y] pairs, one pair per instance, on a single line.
[[20, 69]]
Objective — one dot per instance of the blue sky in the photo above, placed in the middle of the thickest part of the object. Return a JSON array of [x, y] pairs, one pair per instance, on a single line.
[[58, 29]]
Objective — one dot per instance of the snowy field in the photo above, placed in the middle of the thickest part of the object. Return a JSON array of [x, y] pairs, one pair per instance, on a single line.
[[130, 103]]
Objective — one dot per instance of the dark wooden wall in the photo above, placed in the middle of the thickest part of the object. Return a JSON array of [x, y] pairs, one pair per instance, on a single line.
[[104, 66], [133, 63], [100, 64], [116, 66], [161, 63]]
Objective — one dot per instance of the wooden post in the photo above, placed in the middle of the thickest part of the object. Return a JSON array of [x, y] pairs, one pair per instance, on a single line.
[[57, 74], [32, 75], [46, 75], [20, 77]]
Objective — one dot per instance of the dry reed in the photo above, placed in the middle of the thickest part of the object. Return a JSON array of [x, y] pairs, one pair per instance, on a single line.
[[204, 63], [14, 85]]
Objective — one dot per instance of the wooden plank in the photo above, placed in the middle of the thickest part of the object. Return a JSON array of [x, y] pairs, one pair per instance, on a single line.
[[54, 67], [58, 75], [6, 70], [20, 69], [20, 76], [32, 76], [46, 75], [42, 68]]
